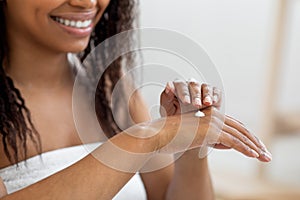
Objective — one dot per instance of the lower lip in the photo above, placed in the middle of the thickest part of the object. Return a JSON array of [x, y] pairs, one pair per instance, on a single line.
[[76, 32]]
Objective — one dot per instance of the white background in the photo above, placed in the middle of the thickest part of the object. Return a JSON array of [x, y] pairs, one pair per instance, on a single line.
[[238, 36]]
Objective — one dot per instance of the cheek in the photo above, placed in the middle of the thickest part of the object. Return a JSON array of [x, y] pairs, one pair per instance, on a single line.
[[103, 4]]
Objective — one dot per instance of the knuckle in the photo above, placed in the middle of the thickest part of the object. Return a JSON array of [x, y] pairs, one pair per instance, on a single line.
[[235, 141], [244, 139], [179, 82], [247, 149]]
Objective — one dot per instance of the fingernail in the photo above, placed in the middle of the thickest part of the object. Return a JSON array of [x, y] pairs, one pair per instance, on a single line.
[[215, 100], [267, 156], [264, 149], [167, 90], [208, 100], [187, 99], [197, 101], [254, 153]]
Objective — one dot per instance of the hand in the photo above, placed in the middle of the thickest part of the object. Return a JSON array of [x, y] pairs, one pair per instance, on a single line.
[[185, 132], [183, 96]]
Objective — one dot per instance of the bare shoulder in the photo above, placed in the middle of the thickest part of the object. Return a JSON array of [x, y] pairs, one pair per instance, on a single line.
[[3, 191], [138, 108]]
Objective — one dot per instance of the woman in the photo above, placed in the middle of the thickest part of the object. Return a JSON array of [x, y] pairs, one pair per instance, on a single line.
[[36, 93]]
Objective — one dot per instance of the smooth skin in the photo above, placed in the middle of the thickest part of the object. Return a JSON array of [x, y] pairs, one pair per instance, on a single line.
[[38, 65]]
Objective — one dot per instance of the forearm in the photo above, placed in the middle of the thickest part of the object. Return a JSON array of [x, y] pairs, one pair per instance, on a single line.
[[191, 178], [88, 178]]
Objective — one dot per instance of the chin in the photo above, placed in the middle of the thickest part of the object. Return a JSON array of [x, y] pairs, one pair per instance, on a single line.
[[76, 47]]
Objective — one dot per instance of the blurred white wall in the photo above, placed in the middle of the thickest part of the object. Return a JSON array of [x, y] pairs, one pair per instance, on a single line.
[[237, 35]]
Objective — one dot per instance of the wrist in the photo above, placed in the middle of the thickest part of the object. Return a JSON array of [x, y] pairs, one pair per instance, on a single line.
[[125, 152]]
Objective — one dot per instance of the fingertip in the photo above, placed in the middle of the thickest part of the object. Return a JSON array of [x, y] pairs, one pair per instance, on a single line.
[[207, 101], [265, 157], [215, 99], [186, 99], [167, 90], [197, 102], [254, 153]]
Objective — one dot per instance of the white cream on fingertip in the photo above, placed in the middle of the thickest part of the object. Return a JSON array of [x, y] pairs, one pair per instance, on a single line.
[[199, 114]]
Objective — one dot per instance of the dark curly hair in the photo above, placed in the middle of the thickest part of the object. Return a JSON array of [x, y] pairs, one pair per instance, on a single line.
[[15, 121]]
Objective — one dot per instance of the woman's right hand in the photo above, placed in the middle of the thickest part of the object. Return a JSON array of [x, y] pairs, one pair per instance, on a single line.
[[183, 132]]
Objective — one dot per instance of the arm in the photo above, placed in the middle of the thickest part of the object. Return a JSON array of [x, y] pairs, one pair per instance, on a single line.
[[190, 180], [88, 178], [156, 182], [91, 179]]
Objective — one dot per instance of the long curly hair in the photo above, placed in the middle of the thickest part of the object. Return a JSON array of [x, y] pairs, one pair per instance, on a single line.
[[16, 125]]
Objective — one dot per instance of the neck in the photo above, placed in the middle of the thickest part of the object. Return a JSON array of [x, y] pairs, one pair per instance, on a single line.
[[33, 68]]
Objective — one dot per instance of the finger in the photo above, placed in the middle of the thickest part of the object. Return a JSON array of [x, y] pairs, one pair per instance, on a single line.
[[170, 92], [195, 92], [230, 141], [220, 121], [167, 100], [241, 127], [241, 137], [182, 91], [217, 97], [220, 146], [207, 95], [258, 141], [170, 88], [244, 135], [238, 126]]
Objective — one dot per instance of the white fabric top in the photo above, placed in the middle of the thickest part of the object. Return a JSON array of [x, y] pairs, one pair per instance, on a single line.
[[40, 167]]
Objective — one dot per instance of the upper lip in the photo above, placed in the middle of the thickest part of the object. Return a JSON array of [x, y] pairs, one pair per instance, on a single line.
[[86, 15]]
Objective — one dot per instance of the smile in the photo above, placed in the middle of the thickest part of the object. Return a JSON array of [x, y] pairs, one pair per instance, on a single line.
[[73, 23]]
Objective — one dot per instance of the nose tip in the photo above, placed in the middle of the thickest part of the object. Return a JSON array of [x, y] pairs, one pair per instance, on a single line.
[[83, 3]]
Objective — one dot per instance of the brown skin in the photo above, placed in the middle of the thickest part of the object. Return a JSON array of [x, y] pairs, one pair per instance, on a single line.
[[3, 191], [39, 66], [83, 178], [46, 85], [49, 80]]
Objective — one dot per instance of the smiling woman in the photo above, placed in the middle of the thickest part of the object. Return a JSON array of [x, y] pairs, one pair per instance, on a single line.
[[42, 23], [39, 43]]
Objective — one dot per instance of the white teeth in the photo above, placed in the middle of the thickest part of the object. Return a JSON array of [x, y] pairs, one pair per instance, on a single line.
[[73, 23], [79, 24], [67, 22], [86, 23]]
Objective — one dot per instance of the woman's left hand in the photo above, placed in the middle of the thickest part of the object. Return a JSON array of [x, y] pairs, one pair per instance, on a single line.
[[183, 96]]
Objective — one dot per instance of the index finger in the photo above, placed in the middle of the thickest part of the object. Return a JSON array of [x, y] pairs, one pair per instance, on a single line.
[[182, 91]]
